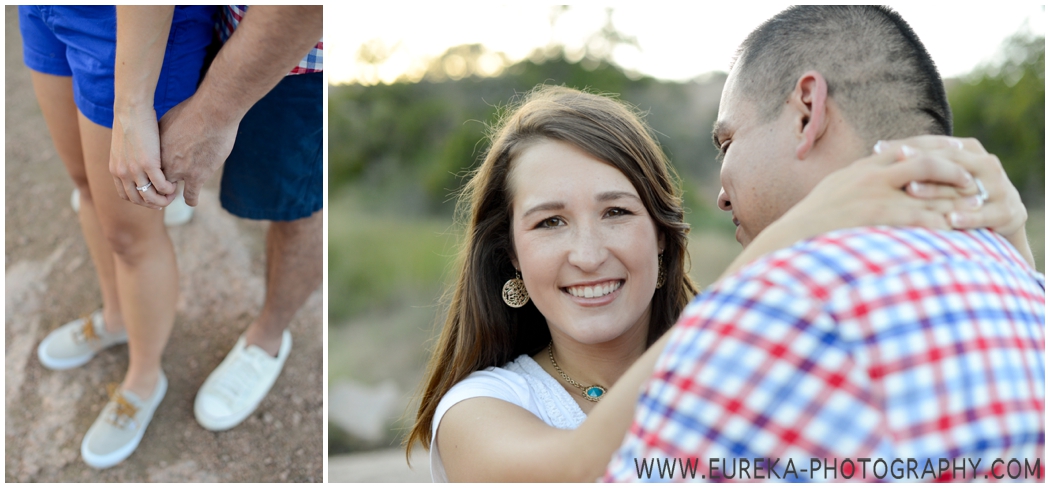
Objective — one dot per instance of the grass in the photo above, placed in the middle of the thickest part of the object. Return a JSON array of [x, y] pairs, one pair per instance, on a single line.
[[377, 260]]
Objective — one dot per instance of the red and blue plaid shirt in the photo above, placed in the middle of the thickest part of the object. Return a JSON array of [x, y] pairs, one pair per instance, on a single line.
[[231, 17], [874, 343]]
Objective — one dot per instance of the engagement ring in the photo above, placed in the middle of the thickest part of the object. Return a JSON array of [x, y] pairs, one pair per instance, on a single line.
[[982, 194], [147, 185]]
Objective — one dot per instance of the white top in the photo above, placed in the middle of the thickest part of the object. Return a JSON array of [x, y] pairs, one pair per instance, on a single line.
[[521, 382]]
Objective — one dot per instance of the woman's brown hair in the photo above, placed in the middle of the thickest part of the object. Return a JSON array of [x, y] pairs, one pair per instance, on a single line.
[[480, 330]]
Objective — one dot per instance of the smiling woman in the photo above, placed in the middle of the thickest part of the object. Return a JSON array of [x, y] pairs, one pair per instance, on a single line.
[[577, 199]]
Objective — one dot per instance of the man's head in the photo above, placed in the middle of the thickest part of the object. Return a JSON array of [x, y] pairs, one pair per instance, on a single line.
[[811, 90]]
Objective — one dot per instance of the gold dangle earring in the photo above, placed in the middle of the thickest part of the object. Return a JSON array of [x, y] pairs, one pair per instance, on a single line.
[[514, 293], [660, 276]]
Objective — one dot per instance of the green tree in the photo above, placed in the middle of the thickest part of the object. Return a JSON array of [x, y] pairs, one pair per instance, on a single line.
[[1003, 106]]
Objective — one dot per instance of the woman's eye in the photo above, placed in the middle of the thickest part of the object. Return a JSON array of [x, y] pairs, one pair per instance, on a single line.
[[617, 211], [550, 223]]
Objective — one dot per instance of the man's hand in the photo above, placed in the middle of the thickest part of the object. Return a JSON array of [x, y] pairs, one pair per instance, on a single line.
[[193, 144]]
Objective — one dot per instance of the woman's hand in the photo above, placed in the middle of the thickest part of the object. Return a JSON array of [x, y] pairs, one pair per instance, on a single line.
[[1000, 209], [134, 158], [870, 191]]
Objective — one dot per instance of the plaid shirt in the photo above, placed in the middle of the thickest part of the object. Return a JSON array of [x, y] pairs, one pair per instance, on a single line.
[[232, 15], [876, 343]]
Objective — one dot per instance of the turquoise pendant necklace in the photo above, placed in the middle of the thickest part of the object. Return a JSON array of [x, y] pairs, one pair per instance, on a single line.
[[592, 393]]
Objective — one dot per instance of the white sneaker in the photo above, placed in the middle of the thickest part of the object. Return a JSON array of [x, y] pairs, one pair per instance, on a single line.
[[176, 213], [238, 384], [76, 342], [119, 428]]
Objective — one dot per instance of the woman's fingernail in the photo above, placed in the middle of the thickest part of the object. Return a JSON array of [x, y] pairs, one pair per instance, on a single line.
[[956, 219], [956, 143], [968, 177], [917, 188], [880, 146], [975, 202], [908, 151]]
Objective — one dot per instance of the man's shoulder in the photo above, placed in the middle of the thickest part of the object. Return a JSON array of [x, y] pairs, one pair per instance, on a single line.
[[849, 256]]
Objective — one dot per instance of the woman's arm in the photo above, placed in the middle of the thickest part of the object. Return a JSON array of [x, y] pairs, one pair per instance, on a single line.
[[142, 36], [868, 192], [485, 439]]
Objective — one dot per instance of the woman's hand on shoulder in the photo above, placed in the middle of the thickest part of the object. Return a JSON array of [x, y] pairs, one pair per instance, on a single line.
[[937, 182], [988, 200], [870, 191]]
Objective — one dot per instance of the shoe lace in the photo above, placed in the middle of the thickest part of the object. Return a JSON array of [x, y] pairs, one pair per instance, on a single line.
[[124, 414], [239, 377], [87, 332]]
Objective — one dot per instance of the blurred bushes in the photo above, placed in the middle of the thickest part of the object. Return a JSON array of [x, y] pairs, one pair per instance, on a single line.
[[1003, 105], [434, 131]]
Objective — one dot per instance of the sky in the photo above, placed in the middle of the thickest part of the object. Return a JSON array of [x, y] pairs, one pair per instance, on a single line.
[[678, 41]]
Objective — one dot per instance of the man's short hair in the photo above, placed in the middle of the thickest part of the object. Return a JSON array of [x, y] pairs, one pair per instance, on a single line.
[[876, 68]]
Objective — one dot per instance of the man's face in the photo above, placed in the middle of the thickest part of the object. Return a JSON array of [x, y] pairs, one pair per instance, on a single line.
[[760, 179]]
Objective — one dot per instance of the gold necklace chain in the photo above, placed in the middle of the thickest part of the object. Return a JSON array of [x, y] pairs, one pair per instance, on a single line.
[[592, 393]]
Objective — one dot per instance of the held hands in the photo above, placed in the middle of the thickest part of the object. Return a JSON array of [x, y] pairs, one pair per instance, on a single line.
[[134, 159], [193, 145], [185, 145]]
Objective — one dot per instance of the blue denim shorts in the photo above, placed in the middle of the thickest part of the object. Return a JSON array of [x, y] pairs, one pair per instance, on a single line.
[[81, 41], [276, 171]]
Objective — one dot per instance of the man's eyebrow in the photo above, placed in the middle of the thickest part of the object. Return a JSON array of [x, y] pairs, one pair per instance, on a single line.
[[543, 207], [716, 134]]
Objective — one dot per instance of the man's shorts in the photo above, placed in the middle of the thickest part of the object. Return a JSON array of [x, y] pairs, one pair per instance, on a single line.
[[81, 41], [275, 171]]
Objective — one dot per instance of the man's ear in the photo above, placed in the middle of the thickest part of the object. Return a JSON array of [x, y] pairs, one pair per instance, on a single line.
[[810, 100]]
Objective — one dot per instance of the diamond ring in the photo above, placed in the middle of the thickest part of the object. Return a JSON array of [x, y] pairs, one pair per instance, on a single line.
[[144, 187], [982, 194]]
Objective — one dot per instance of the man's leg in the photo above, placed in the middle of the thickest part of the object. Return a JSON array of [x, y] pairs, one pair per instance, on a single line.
[[294, 269], [275, 173]]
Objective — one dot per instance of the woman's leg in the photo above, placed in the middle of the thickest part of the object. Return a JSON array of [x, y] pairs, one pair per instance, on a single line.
[[144, 260], [55, 96]]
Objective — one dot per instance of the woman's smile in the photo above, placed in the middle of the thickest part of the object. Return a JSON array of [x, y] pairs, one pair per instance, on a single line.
[[595, 293]]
